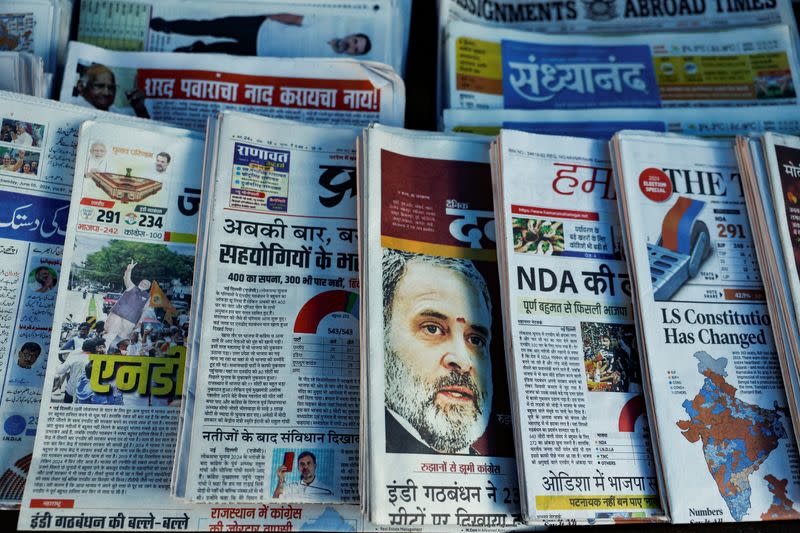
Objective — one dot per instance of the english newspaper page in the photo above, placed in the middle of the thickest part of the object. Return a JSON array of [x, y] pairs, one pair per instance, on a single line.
[[719, 408]]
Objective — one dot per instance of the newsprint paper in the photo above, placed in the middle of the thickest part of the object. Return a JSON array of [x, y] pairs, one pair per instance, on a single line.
[[438, 423], [613, 16], [106, 465], [280, 300], [773, 182], [718, 407], [113, 417], [767, 216], [604, 123], [583, 441], [184, 90], [371, 30], [37, 148], [35, 26], [490, 68]]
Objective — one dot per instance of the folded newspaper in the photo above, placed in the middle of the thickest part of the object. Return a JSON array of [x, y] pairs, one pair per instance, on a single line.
[[489, 68], [39, 27], [604, 123], [104, 460], [113, 416], [583, 443], [712, 377], [24, 74], [184, 90], [437, 420], [37, 148], [280, 295], [362, 29], [610, 16], [769, 177]]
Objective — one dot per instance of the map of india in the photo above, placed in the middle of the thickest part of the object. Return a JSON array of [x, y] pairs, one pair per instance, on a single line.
[[737, 436]]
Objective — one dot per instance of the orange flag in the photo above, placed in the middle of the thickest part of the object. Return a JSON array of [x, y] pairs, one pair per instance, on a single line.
[[159, 299]]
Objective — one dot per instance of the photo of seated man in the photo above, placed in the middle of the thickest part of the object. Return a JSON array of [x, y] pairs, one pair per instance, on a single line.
[[97, 87]]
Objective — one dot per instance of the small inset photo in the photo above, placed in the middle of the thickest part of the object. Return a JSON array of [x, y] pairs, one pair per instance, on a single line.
[[299, 475], [610, 358], [43, 279], [538, 236], [19, 160], [28, 354], [21, 133]]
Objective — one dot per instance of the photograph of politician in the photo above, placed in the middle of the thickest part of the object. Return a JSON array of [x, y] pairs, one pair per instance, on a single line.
[[132, 300], [107, 89], [438, 368]]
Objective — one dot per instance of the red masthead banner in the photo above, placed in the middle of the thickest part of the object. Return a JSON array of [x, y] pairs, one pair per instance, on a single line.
[[267, 91]]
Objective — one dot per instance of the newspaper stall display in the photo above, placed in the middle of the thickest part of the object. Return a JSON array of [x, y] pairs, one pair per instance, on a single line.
[[37, 148], [119, 440], [750, 154], [437, 418], [717, 403], [488, 68], [361, 29], [184, 90], [281, 295], [604, 123], [583, 443], [610, 16]]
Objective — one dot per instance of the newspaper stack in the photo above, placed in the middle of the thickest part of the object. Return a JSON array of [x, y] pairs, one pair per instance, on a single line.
[[185, 90], [487, 68], [118, 374], [117, 421], [716, 401], [604, 123], [593, 17], [372, 30], [583, 444], [278, 301], [769, 176], [24, 74], [608, 16], [37, 148], [39, 27], [437, 425]]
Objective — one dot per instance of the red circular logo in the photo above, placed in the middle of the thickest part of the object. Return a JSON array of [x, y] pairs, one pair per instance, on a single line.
[[655, 184]]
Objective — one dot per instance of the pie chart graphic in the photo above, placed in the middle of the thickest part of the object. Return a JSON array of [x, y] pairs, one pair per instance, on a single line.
[[322, 305], [631, 411]]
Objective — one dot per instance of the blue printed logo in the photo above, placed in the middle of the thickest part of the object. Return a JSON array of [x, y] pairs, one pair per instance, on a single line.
[[538, 76], [269, 159], [14, 425]]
